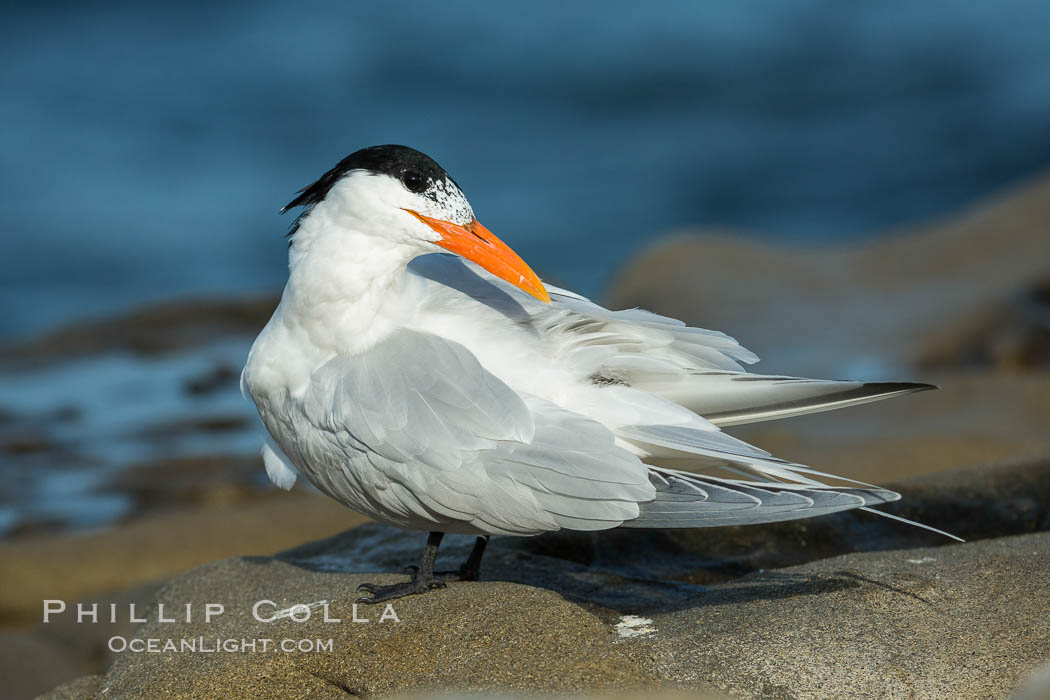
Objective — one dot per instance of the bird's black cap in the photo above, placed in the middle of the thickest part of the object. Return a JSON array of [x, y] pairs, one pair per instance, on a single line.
[[390, 159]]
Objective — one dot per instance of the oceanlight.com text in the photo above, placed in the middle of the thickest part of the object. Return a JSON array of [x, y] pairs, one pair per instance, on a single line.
[[218, 645]]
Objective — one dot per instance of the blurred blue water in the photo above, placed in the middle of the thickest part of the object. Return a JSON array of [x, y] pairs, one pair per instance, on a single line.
[[148, 147], [94, 417]]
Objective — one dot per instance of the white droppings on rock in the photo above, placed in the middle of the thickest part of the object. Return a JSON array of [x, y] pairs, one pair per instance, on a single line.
[[634, 626], [924, 560]]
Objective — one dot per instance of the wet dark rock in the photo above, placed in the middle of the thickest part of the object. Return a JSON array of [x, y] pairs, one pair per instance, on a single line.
[[187, 480], [216, 379], [35, 527], [197, 424], [30, 436], [1013, 336], [1011, 497], [158, 329], [25, 442]]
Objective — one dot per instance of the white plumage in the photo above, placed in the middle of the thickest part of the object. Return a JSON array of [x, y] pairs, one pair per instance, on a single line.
[[427, 393]]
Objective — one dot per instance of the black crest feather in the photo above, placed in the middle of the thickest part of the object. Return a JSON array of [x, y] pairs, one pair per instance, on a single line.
[[390, 159]]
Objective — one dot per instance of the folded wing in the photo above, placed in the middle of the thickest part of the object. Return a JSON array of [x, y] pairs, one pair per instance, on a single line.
[[443, 441]]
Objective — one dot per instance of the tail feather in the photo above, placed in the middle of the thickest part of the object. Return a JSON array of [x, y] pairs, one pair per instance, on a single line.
[[913, 523]]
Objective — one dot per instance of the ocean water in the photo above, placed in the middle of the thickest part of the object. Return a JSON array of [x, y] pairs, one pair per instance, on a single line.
[[147, 148], [83, 423]]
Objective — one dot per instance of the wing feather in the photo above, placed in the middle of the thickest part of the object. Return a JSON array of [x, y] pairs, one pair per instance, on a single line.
[[278, 467], [701, 369], [446, 440], [685, 500], [737, 398]]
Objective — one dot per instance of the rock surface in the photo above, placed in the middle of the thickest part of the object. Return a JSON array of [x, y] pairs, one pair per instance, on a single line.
[[589, 581], [1013, 335], [718, 609], [974, 419], [32, 663], [82, 687], [962, 620], [157, 329], [869, 309], [494, 635], [151, 550]]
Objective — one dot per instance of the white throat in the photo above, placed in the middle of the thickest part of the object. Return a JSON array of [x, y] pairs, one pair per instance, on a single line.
[[344, 280]]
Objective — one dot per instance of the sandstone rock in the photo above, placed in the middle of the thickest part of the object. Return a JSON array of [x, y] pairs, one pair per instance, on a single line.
[[608, 574], [153, 549], [716, 607], [1012, 335], [956, 621], [867, 309], [960, 621], [82, 688], [975, 418], [31, 663], [494, 635]]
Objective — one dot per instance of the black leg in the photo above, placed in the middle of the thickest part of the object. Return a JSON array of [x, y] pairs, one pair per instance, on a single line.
[[469, 571], [423, 578]]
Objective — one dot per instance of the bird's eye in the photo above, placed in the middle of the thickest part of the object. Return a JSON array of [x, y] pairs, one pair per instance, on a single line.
[[413, 181]]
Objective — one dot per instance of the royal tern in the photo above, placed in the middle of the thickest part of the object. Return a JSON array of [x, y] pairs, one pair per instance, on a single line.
[[458, 393]]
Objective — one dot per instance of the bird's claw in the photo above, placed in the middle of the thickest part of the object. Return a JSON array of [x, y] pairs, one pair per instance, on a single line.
[[380, 593]]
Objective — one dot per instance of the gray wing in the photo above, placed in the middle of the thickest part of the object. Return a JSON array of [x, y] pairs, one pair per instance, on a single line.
[[784, 490], [447, 443]]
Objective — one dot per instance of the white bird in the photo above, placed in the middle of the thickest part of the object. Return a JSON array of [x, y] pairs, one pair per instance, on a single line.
[[457, 393]]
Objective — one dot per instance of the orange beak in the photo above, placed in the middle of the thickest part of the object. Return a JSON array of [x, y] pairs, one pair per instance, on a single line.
[[476, 243]]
